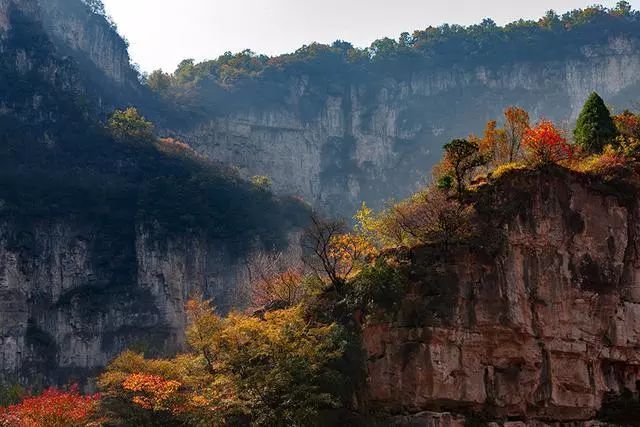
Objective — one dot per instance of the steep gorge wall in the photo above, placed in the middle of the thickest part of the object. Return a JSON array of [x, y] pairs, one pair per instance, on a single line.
[[376, 139], [72, 297], [539, 330]]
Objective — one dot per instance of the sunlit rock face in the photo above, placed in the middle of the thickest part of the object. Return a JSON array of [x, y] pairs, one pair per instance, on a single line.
[[539, 330]]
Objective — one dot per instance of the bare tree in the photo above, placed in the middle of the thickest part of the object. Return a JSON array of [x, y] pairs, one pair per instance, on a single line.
[[333, 253], [274, 279], [317, 245]]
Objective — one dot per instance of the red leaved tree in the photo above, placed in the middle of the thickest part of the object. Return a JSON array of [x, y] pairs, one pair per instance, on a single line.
[[53, 408], [544, 143]]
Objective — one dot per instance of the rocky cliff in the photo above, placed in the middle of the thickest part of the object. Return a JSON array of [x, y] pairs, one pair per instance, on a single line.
[[376, 137], [70, 303], [101, 241], [537, 330]]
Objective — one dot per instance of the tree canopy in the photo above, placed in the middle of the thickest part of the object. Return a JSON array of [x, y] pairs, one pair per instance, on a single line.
[[595, 127]]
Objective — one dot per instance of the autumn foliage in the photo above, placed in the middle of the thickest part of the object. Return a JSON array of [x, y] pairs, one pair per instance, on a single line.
[[544, 143], [152, 391], [53, 408], [241, 369], [334, 254]]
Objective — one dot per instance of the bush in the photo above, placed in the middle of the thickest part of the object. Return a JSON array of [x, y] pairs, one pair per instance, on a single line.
[[378, 286], [607, 164], [129, 126], [506, 168]]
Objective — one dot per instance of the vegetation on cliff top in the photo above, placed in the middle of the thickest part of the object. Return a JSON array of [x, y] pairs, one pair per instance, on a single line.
[[548, 38], [57, 160]]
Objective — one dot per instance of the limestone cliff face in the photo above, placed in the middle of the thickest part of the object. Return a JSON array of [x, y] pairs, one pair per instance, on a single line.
[[89, 35], [539, 330], [373, 140], [67, 306]]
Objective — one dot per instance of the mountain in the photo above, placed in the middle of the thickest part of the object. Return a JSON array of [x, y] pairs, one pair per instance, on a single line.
[[339, 125], [101, 239]]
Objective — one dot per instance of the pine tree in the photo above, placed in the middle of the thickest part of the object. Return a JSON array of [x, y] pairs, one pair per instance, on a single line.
[[595, 127]]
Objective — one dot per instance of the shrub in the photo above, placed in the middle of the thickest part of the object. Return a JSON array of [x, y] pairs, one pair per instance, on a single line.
[[262, 182], [377, 286], [606, 164], [507, 167], [129, 126], [430, 216]]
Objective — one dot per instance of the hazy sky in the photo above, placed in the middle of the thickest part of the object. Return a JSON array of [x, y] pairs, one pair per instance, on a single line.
[[163, 32]]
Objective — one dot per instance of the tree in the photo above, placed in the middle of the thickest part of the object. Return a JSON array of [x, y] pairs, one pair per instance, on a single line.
[[279, 365], [627, 124], [515, 125], [551, 20], [382, 48], [53, 408], [595, 127], [463, 156], [274, 280], [493, 145], [129, 126], [545, 144], [628, 127], [159, 81], [332, 253], [405, 40], [241, 370], [203, 331], [622, 8]]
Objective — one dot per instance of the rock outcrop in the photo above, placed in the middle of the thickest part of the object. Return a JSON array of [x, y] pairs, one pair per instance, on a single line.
[[539, 329]]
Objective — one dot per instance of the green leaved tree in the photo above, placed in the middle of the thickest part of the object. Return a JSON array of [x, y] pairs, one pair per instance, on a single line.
[[462, 156], [129, 126], [595, 127]]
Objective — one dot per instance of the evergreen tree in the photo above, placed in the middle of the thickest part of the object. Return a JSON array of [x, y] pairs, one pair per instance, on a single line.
[[595, 127]]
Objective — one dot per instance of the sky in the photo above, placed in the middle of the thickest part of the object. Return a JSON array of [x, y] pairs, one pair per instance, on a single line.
[[161, 33]]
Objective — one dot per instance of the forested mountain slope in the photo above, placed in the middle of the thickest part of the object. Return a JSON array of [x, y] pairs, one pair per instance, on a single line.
[[103, 238], [339, 125]]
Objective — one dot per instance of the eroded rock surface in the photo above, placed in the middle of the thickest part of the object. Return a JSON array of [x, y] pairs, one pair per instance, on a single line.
[[538, 330]]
